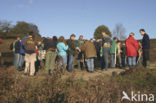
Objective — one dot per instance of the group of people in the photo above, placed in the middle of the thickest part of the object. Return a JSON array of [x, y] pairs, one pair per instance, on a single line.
[[48, 53]]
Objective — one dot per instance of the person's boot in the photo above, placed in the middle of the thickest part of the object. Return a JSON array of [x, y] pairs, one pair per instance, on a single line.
[[148, 64], [79, 66]]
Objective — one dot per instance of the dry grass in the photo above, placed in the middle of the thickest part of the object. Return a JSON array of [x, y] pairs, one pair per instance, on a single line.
[[17, 88]]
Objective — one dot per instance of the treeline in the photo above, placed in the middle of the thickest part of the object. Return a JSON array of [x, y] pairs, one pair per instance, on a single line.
[[21, 28]]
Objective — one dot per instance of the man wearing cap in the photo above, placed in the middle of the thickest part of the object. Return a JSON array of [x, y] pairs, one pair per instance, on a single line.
[[30, 56], [71, 51], [132, 47]]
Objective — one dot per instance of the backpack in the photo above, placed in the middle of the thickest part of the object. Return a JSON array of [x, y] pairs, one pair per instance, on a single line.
[[11, 46]]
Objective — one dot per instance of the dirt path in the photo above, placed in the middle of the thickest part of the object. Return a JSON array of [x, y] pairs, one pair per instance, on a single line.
[[76, 74], [84, 75]]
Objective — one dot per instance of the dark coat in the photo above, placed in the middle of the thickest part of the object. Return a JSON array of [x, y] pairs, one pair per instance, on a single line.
[[17, 46], [72, 47], [49, 43], [146, 42]]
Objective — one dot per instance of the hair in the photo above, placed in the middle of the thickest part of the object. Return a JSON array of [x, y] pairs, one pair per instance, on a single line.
[[115, 38], [54, 38], [131, 34], [91, 39], [142, 30], [61, 39], [81, 36], [103, 32], [73, 35]]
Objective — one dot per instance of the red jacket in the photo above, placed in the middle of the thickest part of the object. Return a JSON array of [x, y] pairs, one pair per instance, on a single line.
[[132, 47], [1, 41]]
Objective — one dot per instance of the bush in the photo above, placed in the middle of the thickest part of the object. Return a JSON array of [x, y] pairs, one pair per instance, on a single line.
[[99, 30]]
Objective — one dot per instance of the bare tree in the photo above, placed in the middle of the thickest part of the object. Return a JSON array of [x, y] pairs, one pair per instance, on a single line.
[[119, 32]]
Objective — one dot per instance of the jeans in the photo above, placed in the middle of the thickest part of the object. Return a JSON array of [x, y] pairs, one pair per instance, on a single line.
[[124, 61], [90, 64], [119, 61], [21, 62], [112, 60], [106, 52], [64, 60], [132, 61], [70, 62], [16, 60]]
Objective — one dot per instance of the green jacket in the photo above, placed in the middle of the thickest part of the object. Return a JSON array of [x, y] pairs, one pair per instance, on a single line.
[[113, 46], [72, 46]]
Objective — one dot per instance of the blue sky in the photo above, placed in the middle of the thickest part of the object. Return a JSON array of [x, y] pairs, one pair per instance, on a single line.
[[64, 17]]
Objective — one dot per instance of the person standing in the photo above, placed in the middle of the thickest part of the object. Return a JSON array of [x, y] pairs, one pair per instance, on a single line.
[[90, 53], [113, 51], [0, 51], [30, 55], [71, 51], [132, 47], [118, 55], [106, 44], [22, 53], [51, 54], [80, 58], [17, 53], [62, 50], [123, 54], [98, 47], [145, 48]]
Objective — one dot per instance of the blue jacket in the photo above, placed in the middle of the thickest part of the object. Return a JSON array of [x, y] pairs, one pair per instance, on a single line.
[[146, 42], [22, 50], [62, 49]]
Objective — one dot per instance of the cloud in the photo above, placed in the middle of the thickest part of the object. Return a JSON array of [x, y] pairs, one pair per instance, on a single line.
[[30, 1]]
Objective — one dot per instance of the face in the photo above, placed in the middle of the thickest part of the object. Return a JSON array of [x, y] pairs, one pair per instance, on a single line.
[[116, 40], [81, 38], [18, 38], [123, 44], [92, 40], [119, 43], [103, 33], [142, 32], [39, 43], [73, 37]]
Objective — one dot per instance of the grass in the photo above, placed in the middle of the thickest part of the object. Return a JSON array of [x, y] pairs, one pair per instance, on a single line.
[[16, 88]]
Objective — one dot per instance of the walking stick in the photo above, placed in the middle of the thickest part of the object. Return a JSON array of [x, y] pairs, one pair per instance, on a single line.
[[115, 56]]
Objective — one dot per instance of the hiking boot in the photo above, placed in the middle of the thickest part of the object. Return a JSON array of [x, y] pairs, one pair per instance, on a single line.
[[148, 65], [26, 74]]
